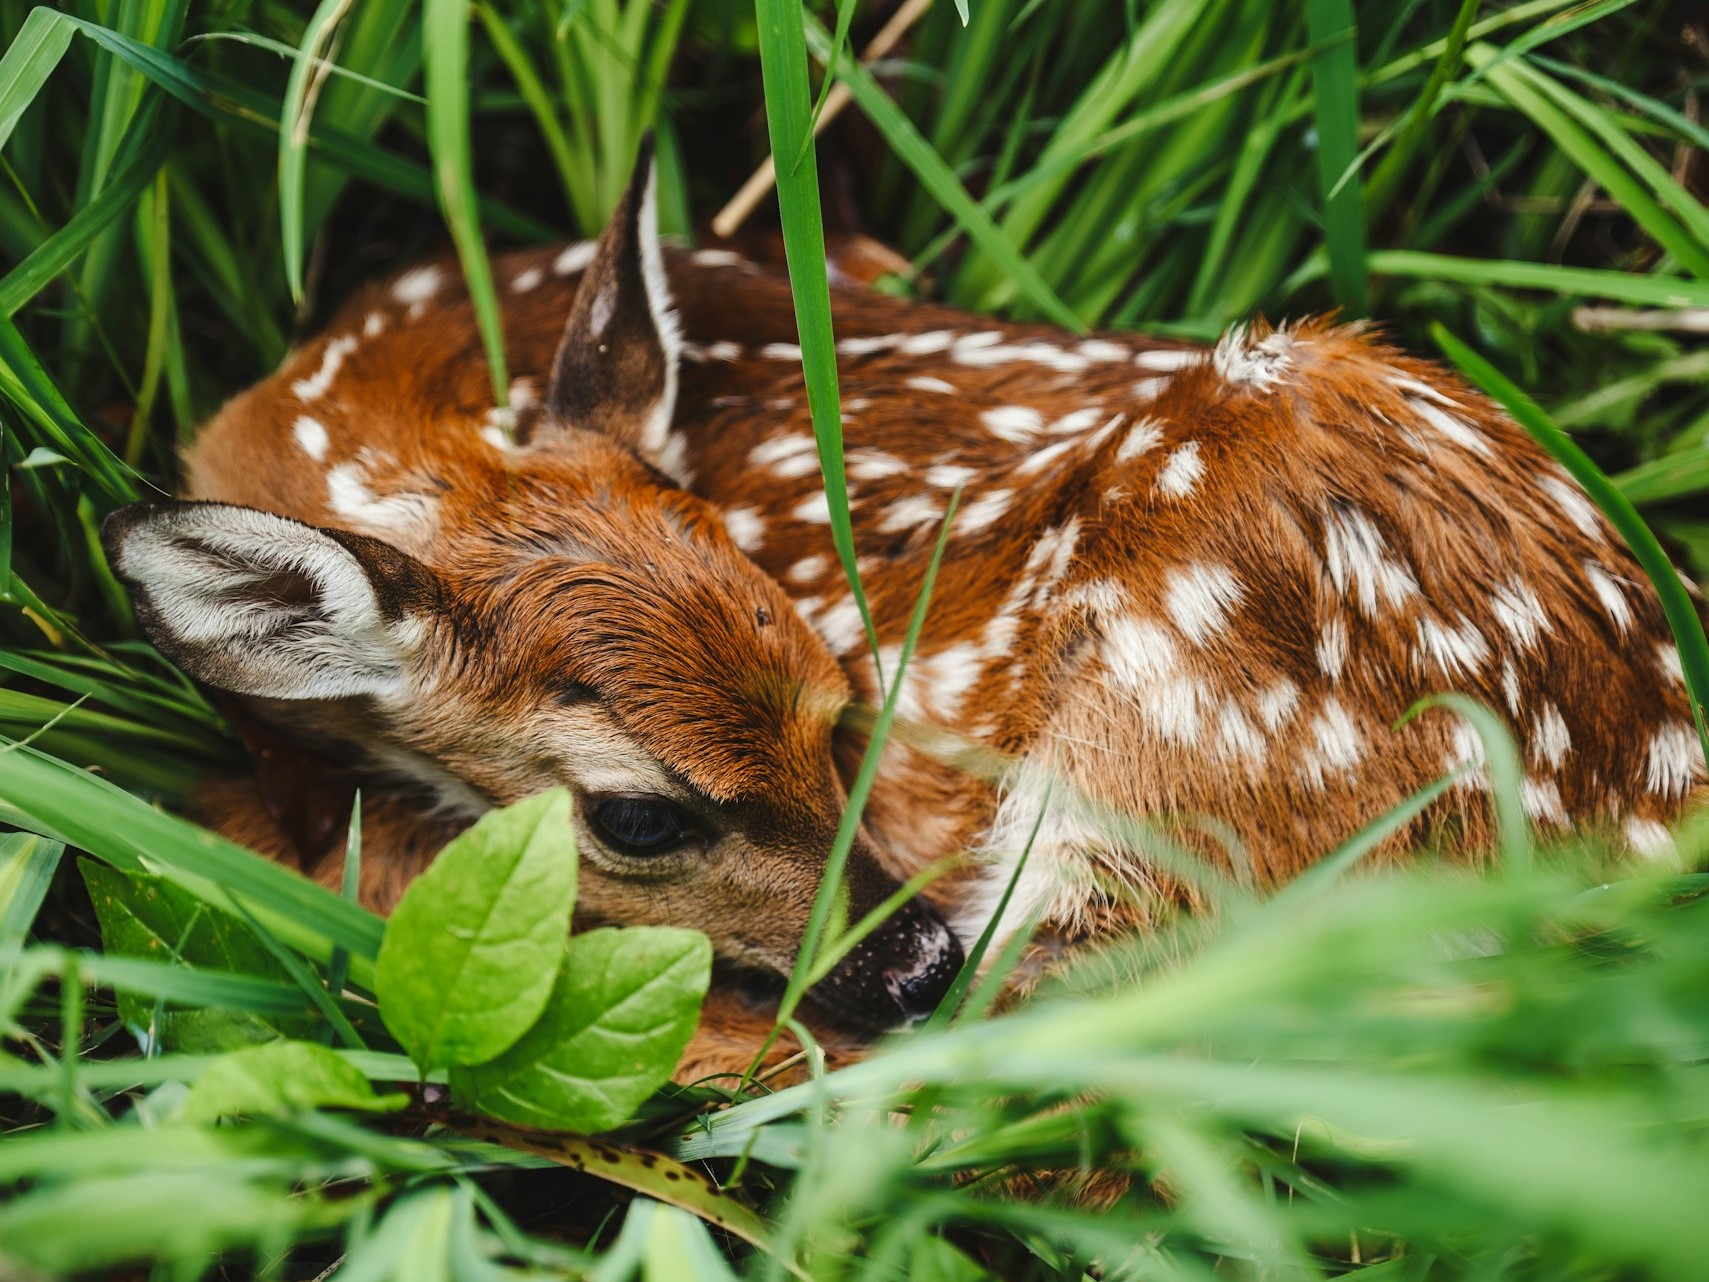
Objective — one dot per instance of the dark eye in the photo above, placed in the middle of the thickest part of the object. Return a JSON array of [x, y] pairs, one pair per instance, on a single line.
[[640, 826]]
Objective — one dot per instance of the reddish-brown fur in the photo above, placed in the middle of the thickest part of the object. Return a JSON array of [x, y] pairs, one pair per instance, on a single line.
[[1216, 583]]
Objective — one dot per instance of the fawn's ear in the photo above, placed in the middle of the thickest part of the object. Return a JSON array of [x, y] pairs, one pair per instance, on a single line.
[[616, 368], [262, 605]]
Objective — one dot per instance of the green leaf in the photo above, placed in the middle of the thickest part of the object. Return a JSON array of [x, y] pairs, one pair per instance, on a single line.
[[280, 1078], [147, 916], [470, 954], [27, 864], [624, 1007]]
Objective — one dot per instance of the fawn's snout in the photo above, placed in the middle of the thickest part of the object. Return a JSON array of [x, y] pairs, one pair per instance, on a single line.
[[898, 973]]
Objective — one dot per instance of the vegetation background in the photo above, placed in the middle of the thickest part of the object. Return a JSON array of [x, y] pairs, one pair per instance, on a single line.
[[1424, 1074]]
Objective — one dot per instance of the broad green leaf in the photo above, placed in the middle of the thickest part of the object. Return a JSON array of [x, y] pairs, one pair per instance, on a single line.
[[624, 1007], [145, 916], [33, 54], [474, 945], [280, 1078]]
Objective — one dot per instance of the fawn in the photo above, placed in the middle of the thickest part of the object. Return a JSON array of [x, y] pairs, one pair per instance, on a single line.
[[1183, 583]]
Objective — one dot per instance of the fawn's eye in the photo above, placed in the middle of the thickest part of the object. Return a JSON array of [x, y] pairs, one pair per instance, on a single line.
[[640, 826]]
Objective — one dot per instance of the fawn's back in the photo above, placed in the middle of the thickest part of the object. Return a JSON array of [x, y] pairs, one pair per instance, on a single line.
[[1197, 587]]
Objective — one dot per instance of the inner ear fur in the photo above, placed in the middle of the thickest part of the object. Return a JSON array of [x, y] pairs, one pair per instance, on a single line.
[[263, 605], [616, 367]]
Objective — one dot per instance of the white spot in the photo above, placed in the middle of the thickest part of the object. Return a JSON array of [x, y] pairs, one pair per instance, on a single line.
[[1237, 736], [1357, 558], [418, 285], [1456, 430], [985, 350], [1336, 744], [1417, 388], [980, 513], [927, 384], [315, 385], [1200, 598], [841, 626], [746, 527], [1142, 437], [1510, 687], [399, 514], [1039, 460], [1240, 362], [312, 437], [1675, 758], [1167, 359], [1014, 423], [1550, 739], [792, 456], [873, 465], [1149, 389], [1575, 503], [1074, 423], [815, 509], [1277, 704], [1667, 658], [1519, 611], [1181, 471], [1139, 652], [494, 435], [372, 326], [574, 258], [1455, 651], [926, 343], [1542, 801], [1611, 594], [716, 258], [527, 279], [949, 475], [1101, 349], [865, 345], [1649, 838], [809, 569], [909, 514], [723, 351], [1332, 647], [781, 351]]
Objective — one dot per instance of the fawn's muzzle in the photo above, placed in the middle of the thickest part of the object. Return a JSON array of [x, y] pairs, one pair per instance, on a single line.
[[898, 973]]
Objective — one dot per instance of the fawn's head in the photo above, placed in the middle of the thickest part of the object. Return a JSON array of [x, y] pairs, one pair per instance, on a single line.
[[572, 618]]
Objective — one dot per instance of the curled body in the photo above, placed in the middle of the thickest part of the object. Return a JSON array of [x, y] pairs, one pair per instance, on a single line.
[[1196, 587]]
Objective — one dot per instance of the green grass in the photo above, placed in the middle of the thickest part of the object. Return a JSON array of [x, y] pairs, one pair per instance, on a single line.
[[1425, 1074]]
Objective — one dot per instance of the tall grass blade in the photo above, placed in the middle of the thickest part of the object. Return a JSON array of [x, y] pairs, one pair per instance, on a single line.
[[1335, 77], [783, 67], [445, 48], [308, 72]]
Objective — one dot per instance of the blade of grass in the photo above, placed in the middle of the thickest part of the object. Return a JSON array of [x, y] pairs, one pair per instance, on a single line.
[[308, 72], [783, 68], [445, 51], [1594, 282], [1681, 614], [1335, 77]]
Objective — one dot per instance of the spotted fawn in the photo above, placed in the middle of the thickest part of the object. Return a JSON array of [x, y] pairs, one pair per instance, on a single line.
[[1194, 586]]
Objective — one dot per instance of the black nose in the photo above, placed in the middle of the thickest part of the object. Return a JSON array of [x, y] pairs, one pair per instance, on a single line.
[[900, 972]]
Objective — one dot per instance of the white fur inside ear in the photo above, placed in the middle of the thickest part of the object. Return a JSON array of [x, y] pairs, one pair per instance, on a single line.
[[655, 433], [260, 605]]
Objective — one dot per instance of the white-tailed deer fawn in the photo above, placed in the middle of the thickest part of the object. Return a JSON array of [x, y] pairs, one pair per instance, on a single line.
[[1184, 584]]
